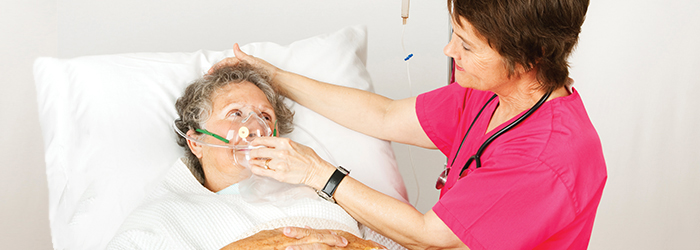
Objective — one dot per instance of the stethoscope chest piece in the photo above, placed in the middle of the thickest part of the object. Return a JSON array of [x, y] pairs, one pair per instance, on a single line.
[[442, 179]]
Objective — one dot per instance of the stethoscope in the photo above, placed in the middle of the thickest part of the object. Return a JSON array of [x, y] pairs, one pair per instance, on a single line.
[[442, 179]]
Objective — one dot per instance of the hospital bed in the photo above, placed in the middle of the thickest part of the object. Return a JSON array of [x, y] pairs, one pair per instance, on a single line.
[[106, 123]]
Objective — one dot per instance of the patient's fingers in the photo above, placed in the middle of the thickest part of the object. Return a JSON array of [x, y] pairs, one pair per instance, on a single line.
[[313, 246], [312, 237]]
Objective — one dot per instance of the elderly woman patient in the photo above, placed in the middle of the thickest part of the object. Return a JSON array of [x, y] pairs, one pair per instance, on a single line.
[[198, 205]]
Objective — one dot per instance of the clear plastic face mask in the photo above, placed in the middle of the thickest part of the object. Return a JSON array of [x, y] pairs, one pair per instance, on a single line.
[[246, 125], [243, 129]]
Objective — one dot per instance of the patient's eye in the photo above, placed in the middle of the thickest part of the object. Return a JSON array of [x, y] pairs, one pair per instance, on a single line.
[[266, 116], [235, 112]]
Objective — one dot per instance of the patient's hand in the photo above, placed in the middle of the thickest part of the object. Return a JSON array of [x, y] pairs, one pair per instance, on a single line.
[[310, 235], [303, 238]]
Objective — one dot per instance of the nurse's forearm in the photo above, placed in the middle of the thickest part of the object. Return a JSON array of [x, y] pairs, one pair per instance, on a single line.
[[394, 219], [356, 109], [359, 110]]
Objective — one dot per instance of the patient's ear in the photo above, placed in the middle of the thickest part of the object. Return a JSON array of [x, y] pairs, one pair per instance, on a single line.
[[195, 147]]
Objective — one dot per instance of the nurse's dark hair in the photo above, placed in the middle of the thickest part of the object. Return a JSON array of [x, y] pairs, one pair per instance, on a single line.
[[536, 34], [195, 106]]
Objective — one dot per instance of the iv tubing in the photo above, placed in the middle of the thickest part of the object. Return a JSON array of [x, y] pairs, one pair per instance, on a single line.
[[410, 94]]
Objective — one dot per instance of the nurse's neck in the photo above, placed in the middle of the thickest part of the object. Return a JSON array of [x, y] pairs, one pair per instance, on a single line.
[[517, 97]]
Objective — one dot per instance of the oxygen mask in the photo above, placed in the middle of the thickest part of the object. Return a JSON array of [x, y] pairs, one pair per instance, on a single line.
[[246, 124]]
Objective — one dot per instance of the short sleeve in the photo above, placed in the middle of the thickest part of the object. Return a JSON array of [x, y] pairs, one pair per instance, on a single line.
[[513, 206], [439, 112]]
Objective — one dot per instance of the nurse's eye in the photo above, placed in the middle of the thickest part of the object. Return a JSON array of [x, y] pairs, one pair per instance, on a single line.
[[464, 45]]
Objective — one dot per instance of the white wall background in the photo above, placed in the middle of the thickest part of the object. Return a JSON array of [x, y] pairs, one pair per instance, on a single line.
[[635, 67], [27, 30]]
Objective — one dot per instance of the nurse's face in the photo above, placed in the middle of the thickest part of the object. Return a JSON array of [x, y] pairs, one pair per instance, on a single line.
[[477, 65]]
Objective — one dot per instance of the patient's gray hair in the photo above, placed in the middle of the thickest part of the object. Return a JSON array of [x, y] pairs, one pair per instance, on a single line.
[[195, 105]]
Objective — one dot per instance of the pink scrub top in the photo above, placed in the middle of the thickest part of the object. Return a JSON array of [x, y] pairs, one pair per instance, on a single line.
[[539, 184]]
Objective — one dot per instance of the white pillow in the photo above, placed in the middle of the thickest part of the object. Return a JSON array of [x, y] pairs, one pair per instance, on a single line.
[[106, 122]]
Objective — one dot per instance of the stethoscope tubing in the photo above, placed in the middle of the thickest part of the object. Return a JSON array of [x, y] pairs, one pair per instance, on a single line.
[[470, 128], [477, 157]]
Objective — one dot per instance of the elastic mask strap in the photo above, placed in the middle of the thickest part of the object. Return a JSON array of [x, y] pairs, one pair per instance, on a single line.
[[204, 131], [274, 131]]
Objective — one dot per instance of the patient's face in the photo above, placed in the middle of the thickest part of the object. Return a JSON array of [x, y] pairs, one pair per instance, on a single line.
[[227, 103]]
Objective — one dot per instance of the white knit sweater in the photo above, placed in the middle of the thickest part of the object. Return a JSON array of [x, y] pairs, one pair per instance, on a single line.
[[182, 214]]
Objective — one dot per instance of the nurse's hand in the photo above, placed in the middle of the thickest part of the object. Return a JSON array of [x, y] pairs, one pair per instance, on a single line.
[[241, 56], [287, 161]]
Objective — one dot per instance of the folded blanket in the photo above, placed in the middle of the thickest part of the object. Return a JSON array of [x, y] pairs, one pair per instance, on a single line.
[[182, 214]]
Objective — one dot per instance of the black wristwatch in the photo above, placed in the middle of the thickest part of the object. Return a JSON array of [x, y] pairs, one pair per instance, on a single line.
[[329, 189]]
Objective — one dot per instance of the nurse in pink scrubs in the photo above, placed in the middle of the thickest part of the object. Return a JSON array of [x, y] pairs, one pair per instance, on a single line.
[[525, 165]]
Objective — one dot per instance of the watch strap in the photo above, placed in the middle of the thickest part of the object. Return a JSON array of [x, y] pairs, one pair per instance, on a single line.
[[333, 182]]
